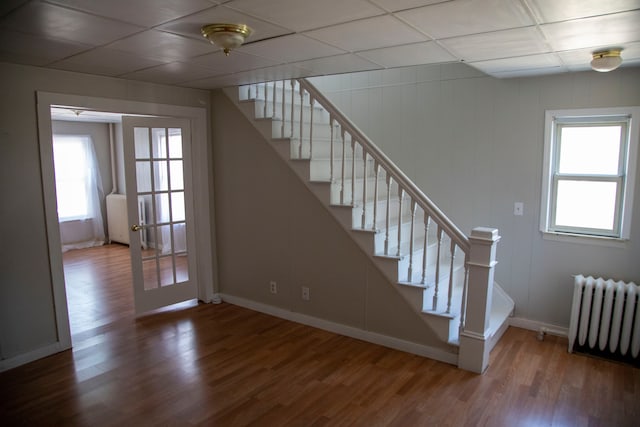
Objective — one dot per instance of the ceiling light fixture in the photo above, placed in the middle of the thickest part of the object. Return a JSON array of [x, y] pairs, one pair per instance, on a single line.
[[606, 60], [226, 36]]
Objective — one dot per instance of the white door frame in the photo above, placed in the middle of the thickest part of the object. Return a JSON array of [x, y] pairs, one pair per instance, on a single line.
[[205, 240]]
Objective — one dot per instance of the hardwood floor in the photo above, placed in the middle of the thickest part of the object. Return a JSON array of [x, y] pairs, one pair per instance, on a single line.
[[227, 366]]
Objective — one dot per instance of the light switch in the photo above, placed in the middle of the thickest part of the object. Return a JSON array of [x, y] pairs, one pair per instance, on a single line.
[[518, 208]]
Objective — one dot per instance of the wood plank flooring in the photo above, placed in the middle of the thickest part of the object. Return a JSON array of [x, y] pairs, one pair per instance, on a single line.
[[224, 365]]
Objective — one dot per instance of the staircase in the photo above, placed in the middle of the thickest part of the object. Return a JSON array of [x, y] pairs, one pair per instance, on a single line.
[[445, 276]]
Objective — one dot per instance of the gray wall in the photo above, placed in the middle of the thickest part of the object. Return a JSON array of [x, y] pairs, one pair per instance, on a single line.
[[271, 227], [474, 144], [26, 304]]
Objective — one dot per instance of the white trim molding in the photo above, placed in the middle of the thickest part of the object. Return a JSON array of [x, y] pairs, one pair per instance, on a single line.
[[534, 325]]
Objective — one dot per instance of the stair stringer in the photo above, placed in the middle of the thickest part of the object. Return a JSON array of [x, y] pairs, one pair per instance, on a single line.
[[444, 326]]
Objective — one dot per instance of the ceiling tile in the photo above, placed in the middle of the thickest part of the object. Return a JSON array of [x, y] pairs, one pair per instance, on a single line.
[[529, 73], [190, 25], [463, 17], [545, 60], [410, 54], [105, 62], [593, 32], [554, 10], [60, 23], [237, 61], [35, 50], [290, 48], [172, 73], [301, 15], [365, 34], [278, 72], [395, 5], [163, 46], [146, 13], [347, 63], [497, 45]]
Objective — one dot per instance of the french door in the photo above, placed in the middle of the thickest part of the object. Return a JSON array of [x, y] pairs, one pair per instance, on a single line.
[[160, 210]]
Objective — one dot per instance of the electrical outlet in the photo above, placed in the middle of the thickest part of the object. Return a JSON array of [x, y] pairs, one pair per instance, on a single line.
[[273, 287], [305, 293], [518, 208]]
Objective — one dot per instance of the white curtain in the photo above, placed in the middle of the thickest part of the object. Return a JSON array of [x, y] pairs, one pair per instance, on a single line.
[[79, 192]]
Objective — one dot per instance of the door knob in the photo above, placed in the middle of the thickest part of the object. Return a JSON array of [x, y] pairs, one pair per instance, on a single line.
[[136, 227]]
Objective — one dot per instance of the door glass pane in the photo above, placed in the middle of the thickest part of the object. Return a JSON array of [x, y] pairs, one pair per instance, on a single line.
[[182, 267], [179, 237], [166, 271], [143, 176], [160, 175], [164, 245], [574, 207], [158, 136], [141, 138], [150, 274], [149, 216], [175, 143], [176, 173], [177, 206], [162, 208], [593, 150]]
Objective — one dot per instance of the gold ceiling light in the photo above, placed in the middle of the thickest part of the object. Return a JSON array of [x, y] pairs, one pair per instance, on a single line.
[[606, 60], [226, 36]]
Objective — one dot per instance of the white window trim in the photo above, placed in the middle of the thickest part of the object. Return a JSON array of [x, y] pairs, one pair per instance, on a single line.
[[631, 160]]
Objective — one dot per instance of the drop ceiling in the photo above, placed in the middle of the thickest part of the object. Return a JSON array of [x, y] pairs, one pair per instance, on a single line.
[[159, 40]]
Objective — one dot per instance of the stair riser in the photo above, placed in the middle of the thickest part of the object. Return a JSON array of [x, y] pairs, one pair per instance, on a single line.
[[320, 115], [382, 196], [320, 130]]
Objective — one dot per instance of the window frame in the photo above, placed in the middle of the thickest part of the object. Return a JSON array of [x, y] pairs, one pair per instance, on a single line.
[[625, 178]]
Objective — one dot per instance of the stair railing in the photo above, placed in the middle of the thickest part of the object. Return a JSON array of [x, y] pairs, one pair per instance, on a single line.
[[356, 145]]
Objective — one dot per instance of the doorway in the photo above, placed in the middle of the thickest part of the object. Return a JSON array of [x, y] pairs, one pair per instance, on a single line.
[[203, 275]]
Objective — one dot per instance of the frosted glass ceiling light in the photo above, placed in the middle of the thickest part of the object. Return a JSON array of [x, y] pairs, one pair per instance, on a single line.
[[606, 60], [226, 36]]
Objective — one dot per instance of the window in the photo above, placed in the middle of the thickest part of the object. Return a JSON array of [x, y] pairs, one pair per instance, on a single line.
[[590, 158], [77, 177]]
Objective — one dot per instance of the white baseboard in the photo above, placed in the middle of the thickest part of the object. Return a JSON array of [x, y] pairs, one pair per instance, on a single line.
[[349, 331], [534, 325], [22, 359]]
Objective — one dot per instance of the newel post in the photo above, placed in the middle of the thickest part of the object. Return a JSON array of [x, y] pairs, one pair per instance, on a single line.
[[474, 346]]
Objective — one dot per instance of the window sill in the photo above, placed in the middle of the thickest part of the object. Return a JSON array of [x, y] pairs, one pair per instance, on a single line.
[[612, 242]]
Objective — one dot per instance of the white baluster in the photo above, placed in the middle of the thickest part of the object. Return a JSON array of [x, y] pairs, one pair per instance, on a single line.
[[301, 122], [248, 91], [364, 189], [435, 293], [388, 219], [426, 246], [400, 200], [353, 171], [331, 148], [344, 161], [312, 102], [463, 305], [283, 114], [293, 90], [266, 96], [273, 107], [453, 257], [376, 171], [413, 217]]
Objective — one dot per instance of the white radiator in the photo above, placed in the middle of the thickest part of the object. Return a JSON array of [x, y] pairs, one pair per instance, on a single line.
[[605, 314]]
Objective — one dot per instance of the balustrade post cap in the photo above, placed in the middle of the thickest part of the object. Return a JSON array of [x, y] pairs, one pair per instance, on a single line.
[[485, 233]]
